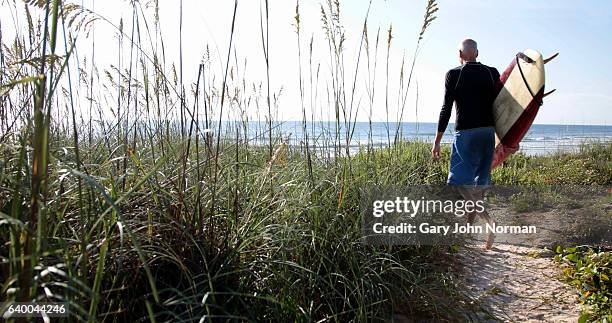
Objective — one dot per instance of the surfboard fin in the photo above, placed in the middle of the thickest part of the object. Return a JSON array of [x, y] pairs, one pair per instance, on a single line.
[[548, 93], [550, 58]]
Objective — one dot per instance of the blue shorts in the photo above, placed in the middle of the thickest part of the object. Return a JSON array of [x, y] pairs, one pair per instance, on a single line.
[[471, 156]]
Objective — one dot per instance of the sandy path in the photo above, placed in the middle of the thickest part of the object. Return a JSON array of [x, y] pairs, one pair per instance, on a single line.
[[517, 284]]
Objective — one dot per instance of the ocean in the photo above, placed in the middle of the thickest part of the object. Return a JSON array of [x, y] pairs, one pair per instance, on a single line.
[[541, 139]]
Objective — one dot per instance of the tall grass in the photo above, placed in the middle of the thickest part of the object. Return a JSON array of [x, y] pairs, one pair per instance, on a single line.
[[160, 210]]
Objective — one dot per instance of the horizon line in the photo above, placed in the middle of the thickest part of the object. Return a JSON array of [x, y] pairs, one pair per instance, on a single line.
[[431, 122]]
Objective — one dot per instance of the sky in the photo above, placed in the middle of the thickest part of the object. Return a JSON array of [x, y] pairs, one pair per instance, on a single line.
[[579, 31]]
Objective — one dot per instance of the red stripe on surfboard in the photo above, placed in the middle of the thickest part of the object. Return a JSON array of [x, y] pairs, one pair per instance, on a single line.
[[501, 153], [509, 144], [506, 74]]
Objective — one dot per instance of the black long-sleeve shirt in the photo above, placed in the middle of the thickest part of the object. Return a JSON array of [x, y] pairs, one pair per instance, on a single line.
[[473, 87]]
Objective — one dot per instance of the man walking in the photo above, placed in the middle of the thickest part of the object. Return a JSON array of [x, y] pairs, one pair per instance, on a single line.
[[472, 87]]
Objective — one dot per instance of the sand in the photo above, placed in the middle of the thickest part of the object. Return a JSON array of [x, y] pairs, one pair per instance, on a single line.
[[516, 284]]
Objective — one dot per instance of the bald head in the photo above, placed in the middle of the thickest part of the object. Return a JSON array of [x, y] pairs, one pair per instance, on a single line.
[[468, 50]]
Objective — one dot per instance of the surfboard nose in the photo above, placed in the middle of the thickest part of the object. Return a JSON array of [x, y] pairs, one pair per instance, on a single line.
[[524, 57]]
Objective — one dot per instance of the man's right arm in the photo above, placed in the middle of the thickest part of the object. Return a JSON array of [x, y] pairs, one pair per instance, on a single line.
[[445, 113], [498, 85], [447, 106]]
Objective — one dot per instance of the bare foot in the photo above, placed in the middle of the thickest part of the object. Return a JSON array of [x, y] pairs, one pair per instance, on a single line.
[[489, 243]]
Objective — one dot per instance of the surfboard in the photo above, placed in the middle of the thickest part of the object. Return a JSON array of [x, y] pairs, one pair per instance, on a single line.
[[518, 101]]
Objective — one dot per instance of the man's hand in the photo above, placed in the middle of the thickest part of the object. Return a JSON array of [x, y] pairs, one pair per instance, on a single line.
[[435, 151]]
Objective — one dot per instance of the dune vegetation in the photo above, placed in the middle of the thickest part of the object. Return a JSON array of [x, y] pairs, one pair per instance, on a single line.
[[142, 204]]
